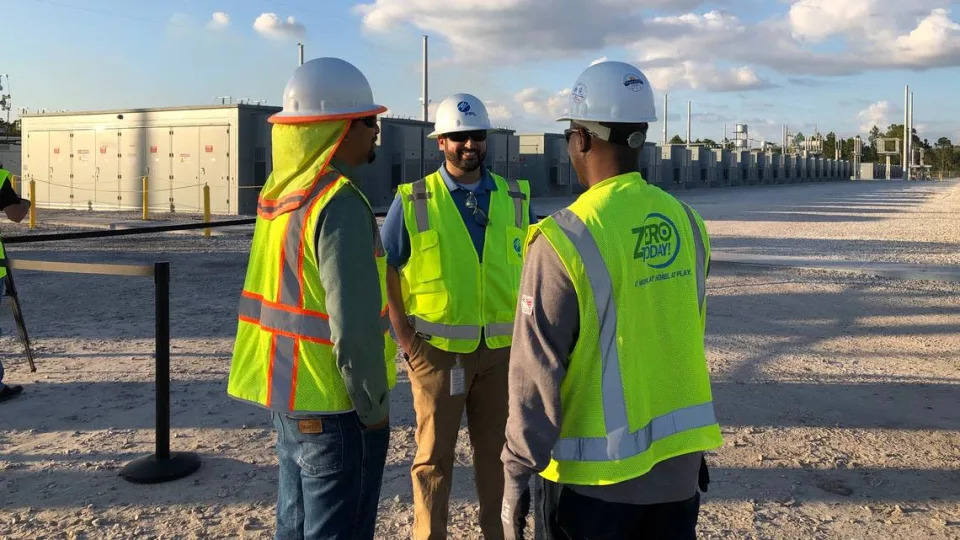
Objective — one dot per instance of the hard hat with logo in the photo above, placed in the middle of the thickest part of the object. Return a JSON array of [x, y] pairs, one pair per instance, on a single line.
[[326, 89], [611, 92], [460, 112]]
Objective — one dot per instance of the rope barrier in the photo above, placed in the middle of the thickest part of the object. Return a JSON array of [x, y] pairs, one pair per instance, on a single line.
[[31, 239]]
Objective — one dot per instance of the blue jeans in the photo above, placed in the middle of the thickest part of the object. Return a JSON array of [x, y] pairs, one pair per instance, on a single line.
[[330, 481]]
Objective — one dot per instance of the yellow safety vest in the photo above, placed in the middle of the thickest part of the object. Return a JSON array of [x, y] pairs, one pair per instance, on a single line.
[[4, 178], [637, 388], [283, 357], [451, 296]]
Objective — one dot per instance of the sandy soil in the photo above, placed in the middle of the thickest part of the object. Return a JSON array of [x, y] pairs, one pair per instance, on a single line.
[[838, 393]]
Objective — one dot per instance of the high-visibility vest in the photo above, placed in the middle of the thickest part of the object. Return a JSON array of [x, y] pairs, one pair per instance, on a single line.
[[451, 296], [5, 176], [283, 358], [637, 388]]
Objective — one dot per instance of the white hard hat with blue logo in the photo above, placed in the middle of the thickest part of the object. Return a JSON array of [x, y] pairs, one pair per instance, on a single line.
[[460, 112], [611, 92]]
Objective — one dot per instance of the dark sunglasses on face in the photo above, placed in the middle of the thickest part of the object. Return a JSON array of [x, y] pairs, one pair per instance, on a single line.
[[478, 215], [567, 133], [369, 121], [462, 136]]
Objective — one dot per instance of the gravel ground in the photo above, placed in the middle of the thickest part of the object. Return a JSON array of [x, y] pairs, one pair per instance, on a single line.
[[837, 392]]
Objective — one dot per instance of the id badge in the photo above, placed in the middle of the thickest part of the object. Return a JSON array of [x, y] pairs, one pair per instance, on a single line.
[[458, 384]]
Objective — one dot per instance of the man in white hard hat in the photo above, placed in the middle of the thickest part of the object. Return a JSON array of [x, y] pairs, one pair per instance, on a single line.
[[454, 238], [610, 398], [312, 344]]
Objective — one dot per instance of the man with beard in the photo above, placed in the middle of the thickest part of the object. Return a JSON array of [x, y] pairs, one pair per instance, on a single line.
[[454, 240], [312, 344]]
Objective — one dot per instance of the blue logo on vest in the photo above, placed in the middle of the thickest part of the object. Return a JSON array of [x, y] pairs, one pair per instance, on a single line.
[[516, 246], [658, 241]]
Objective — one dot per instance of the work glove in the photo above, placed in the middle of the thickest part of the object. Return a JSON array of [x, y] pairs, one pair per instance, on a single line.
[[513, 514]]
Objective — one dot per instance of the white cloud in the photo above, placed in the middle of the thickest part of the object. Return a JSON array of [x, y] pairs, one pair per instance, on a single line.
[[877, 114], [219, 21], [498, 113], [935, 40], [271, 26], [540, 105], [703, 76], [598, 60]]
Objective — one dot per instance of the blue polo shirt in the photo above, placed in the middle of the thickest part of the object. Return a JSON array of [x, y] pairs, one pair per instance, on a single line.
[[396, 239]]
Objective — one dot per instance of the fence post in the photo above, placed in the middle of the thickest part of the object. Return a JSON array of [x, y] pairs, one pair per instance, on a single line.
[[162, 466], [206, 209], [146, 198], [33, 203]]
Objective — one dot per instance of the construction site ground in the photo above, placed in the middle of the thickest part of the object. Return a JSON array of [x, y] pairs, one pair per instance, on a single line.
[[838, 391]]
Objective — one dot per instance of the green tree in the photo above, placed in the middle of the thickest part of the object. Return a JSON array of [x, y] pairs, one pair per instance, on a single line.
[[830, 146], [873, 136], [677, 140]]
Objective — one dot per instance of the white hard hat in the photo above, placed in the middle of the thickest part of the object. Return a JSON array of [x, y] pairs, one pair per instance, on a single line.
[[614, 92], [326, 89], [460, 112]]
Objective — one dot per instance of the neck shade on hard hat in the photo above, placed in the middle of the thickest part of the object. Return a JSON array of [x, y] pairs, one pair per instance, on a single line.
[[301, 155]]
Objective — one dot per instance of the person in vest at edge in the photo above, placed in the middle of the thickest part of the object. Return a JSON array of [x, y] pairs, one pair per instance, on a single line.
[[312, 344], [456, 238], [16, 209], [610, 398]]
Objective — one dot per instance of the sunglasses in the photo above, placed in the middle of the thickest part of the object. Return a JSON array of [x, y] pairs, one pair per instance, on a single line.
[[369, 121], [462, 136], [567, 133], [478, 215]]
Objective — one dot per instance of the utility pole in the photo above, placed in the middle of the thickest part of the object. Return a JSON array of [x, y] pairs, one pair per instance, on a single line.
[[300, 53], [688, 122], [665, 111], [906, 137], [425, 112]]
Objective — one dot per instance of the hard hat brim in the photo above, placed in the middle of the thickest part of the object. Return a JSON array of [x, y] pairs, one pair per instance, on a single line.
[[301, 118], [636, 120], [436, 134]]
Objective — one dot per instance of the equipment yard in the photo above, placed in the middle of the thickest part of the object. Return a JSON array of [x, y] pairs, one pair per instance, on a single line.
[[838, 393]]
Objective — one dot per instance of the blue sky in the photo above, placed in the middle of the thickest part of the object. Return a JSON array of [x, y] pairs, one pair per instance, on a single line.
[[835, 65]]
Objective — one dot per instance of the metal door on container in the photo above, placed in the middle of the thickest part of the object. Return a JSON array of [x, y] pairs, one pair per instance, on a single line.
[[60, 186], [83, 169], [37, 166], [133, 166], [215, 166], [187, 193], [159, 168], [107, 174]]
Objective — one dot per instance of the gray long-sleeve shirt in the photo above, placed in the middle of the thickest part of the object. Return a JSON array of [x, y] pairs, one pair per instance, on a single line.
[[544, 335], [346, 240]]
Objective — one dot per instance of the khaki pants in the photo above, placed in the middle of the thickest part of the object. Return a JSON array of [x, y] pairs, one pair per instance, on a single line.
[[438, 422]]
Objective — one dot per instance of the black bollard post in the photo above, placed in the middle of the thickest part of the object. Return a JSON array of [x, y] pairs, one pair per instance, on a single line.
[[162, 466]]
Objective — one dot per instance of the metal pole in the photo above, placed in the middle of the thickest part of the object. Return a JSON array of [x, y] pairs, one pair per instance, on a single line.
[[910, 134], [300, 51], [906, 139], [665, 111], [162, 296], [425, 111], [688, 122]]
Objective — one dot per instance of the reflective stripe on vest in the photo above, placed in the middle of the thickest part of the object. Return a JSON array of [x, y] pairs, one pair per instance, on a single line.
[[619, 443], [451, 331], [285, 318], [518, 198], [701, 257], [420, 195], [419, 198]]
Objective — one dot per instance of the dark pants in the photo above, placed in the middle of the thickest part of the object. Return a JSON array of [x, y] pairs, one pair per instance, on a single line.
[[567, 515], [330, 481]]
